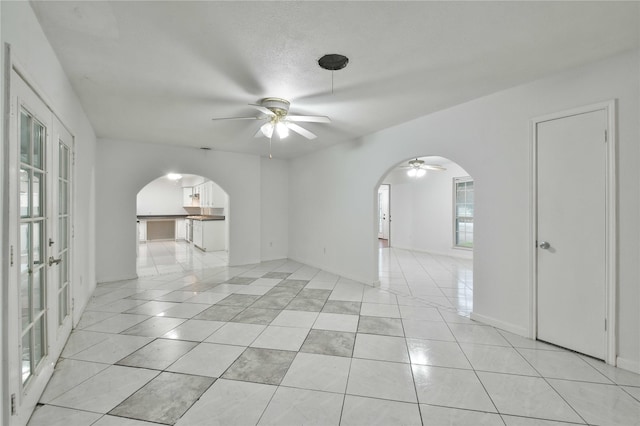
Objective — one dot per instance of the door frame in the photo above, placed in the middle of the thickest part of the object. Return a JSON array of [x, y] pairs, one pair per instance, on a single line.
[[25, 401], [388, 185], [611, 224]]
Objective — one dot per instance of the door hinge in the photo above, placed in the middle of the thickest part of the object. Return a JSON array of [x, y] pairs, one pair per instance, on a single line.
[[13, 404], [605, 324], [11, 256], [606, 136], [73, 158]]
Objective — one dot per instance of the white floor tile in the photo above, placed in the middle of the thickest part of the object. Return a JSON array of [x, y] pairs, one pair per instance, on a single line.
[[436, 416], [382, 348], [302, 407], [450, 387], [429, 330], [437, 353], [302, 319], [598, 403], [336, 322], [283, 338], [363, 411], [59, 416], [207, 359], [318, 372], [233, 402], [497, 359], [527, 396], [381, 379], [105, 390], [235, 333]]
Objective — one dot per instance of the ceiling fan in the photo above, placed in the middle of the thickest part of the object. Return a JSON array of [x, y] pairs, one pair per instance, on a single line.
[[276, 116], [417, 168]]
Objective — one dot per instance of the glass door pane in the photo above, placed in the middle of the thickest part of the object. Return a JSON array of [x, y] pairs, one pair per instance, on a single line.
[[64, 230], [33, 292]]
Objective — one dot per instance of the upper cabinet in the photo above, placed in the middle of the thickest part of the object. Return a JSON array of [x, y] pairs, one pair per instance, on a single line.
[[188, 198], [206, 195], [211, 195]]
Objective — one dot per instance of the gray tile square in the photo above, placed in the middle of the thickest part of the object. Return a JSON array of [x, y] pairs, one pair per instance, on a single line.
[[341, 307], [272, 302], [241, 300], [240, 280], [261, 366], [312, 293], [158, 354], [381, 325], [293, 284], [282, 292], [154, 327], [256, 316], [164, 399], [327, 342], [304, 304], [219, 313], [276, 275]]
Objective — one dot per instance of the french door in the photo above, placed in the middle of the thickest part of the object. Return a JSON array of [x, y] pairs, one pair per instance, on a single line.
[[40, 190]]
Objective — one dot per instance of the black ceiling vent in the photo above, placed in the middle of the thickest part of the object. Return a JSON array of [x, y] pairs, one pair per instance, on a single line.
[[333, 62]]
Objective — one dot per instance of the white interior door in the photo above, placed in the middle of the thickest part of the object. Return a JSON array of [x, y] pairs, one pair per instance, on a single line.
[[40, 225], [571, 232], [383, 212]]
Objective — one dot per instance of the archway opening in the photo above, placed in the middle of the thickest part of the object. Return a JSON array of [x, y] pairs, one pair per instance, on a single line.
[[182, 225], [424, 235]]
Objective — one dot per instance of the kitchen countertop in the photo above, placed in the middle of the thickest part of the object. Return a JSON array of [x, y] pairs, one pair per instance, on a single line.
[[162, 216], [206, 217]]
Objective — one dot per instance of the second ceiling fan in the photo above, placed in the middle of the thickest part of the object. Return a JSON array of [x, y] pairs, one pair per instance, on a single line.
[[277, 119]]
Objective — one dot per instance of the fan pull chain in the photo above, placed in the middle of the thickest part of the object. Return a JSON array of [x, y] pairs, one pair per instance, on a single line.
[[270, 156]]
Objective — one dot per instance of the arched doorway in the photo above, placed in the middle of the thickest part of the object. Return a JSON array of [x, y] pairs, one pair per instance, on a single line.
[[182, 225], [429, 253]]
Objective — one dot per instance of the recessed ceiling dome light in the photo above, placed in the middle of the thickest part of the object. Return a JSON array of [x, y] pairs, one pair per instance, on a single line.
[[333, 62], [174, 176]]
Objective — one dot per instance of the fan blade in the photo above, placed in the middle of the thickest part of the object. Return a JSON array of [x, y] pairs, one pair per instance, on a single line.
[[300, 130], [265, 130], [309, 118], [263, 110], [236, 118], [433, 167]]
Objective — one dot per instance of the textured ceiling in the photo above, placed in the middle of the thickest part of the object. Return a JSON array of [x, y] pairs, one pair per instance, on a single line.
[[159, 71]]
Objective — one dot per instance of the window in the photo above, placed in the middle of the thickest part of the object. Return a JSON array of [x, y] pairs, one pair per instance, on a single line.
[[463, 212]]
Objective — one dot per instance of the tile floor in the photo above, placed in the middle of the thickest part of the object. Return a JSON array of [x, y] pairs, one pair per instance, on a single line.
[[281, 343]]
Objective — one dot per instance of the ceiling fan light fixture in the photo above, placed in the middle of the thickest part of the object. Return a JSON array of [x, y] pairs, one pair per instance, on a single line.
[[282, 129], [412, 172], [267, 129], [420, 172]]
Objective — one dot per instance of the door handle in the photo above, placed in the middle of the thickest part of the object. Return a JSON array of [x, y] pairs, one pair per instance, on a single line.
[[544, 245], [52, 260]]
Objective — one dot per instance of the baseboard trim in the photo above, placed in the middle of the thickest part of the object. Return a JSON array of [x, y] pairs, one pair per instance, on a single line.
[[117, 278], [457, 253], [628, 364], [511, 328]]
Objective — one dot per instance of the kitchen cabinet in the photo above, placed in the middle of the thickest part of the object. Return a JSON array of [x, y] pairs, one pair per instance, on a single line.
[[209, 235], [189, 197], [142, 230], [180, 229]]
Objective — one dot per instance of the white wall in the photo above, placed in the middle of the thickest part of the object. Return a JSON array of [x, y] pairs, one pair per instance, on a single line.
[[274, 183], [160, 197], [33, 53], [333, 192], [137, 164], [422, 211]]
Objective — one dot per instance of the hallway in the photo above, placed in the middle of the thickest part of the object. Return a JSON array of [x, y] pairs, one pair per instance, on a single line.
[[281, 343]]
